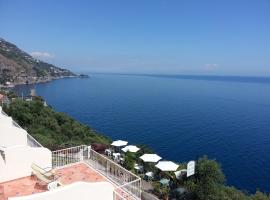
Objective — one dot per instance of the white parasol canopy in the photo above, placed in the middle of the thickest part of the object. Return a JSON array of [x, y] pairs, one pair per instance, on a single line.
[[167, 166], [130, 148], [150, 157], [119, 143]]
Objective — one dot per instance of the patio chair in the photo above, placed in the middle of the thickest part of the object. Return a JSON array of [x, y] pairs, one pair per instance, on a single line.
[[42, 175]]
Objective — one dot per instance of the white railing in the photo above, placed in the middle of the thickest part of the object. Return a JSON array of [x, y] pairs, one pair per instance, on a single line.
[[68, 156], [130, 191], [129, 184]]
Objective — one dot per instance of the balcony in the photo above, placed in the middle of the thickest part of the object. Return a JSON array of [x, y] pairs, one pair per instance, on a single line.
[[76, 165], [127, 185]]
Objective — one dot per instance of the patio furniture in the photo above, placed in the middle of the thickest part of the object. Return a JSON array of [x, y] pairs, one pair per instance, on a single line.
[[46, 173], [108, 152], [138, 167], [116, 157], [122, 160], [149, 175], [53, 185], [165, 182], [42, 175]]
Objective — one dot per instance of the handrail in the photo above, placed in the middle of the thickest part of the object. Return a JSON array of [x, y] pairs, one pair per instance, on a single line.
[[119, 195], [67, 156], [129, 193], [116, 164], [56, 151], [131, 186]]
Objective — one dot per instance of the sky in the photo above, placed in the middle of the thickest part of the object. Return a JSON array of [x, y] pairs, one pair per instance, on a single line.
[[215, 37]]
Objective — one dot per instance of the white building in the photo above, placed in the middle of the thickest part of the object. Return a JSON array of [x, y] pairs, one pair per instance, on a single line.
[[18, 150]]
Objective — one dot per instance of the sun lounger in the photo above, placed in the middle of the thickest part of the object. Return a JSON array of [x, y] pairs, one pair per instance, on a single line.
[[43, 175]]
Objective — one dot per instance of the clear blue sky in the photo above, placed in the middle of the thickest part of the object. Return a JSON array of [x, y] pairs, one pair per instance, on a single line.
[[229, 37]]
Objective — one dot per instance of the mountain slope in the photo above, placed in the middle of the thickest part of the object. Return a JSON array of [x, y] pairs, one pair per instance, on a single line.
[[18, 67]]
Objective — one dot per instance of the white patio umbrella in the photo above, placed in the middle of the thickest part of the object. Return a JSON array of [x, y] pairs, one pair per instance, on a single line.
[[167, 166], [119, 143], [130, 148], [150, 157]]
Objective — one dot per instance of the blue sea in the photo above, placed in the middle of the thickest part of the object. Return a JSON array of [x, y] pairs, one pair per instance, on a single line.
[[180, 117]]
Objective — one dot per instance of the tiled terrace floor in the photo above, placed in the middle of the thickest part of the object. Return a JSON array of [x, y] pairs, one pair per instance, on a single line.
[[68, 175]]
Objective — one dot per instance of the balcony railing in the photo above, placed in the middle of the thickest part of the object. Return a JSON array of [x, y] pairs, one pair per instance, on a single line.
[[128, 184], [68, 156], [130, 191]]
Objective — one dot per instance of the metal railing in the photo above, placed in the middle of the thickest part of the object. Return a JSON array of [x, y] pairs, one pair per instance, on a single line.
[[130, 191], [128, 184], [68, 156]]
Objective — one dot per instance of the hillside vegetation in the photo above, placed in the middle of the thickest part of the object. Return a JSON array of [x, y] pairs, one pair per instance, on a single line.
[[52, 129]]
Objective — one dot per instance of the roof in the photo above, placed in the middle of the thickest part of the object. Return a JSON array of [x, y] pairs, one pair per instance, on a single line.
[[81, 190]]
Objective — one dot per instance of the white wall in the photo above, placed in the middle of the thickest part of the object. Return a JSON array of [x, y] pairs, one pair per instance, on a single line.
[[18, 161], [78, 190], [12, 136]]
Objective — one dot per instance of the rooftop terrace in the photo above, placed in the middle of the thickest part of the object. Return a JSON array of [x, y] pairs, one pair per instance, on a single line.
[[70, 174], [79, 164]]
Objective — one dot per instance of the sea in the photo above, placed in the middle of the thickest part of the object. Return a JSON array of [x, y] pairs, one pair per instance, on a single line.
[[180, 117]]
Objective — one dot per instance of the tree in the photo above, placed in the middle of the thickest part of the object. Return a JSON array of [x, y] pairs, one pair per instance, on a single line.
[[129, 160], [207, 181], [260, 196]]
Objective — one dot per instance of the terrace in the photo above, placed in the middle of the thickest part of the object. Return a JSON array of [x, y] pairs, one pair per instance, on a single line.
[[79, 164]]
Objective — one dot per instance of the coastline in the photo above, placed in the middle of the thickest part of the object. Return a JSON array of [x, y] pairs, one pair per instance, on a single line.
[[36, 81]]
